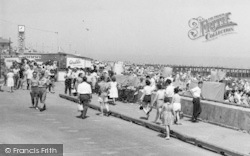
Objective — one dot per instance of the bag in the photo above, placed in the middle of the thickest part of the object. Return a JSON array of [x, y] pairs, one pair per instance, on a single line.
[[181, 115], [80, 107]]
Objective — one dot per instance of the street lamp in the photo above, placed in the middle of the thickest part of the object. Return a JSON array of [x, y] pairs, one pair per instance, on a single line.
[[1, 61]]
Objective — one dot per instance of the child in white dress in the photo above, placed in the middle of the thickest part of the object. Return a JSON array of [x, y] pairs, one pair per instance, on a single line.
[[10, 80], [113, 91]]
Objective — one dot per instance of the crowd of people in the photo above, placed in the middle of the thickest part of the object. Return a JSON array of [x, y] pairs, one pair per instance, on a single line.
[[149, 87], [28, 75], [155, 93]]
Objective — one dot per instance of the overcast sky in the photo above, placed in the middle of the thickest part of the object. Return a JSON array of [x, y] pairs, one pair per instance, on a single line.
[[153, 31]]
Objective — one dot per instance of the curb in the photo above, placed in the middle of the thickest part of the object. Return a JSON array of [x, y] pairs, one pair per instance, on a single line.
[[180, 136]]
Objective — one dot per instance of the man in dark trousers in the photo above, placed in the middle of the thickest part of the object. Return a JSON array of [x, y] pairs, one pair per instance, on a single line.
[[84, 94], [197, 95]]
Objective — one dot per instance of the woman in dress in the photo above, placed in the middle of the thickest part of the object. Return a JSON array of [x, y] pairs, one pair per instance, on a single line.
[[176, 106], [103, 96], [10, 80], [159, 99], [113, 91], [167, 116]]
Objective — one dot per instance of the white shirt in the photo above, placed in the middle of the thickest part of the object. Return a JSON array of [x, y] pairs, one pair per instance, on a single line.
[[16, 71], [147, 90], [170, 91], [68, 74], [29, 73], [93, 76], [196, 92], [152, 83], [84, 88], [89, 77], [74, 75]]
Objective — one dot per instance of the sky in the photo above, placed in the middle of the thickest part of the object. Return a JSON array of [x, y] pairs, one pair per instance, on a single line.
[[140, 31]]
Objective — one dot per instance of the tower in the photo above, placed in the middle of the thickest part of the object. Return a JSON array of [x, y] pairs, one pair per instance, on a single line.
[[21, 39]]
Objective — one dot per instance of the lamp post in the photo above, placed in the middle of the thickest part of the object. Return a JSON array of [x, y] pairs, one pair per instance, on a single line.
[[1, 61]]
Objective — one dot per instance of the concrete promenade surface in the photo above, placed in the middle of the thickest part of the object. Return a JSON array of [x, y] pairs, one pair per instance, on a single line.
[[216, 137], [93, 136]]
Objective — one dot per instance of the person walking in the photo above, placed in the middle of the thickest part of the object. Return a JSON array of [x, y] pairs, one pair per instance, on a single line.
[[21, 79], [1, 81], [84, 95], [169, 90], [159, 99], [42, 90], [94, 77], [16, 76], [146, 98], [167, 116], [10, 80], [29, 74], [113, 92], [34, 90], [103, 95], [197, 95], [68, 81], [176, 101], [52, 79]]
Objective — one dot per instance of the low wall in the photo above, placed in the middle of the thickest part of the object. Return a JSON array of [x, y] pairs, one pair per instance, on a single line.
[[219, 113]]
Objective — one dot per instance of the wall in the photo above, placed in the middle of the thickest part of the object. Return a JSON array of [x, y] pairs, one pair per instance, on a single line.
[[218, 113]]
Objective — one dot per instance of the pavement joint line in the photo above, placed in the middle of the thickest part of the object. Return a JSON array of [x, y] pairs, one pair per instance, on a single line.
[[90, 143], [73, 131], [84, 138], [50, 119], [182, 137], [63, 127], [109, 152]]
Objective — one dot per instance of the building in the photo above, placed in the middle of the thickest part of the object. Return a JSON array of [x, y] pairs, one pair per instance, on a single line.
[[5, 46], [63, 59]]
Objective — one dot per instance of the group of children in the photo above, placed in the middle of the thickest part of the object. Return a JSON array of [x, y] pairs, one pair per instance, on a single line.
[[166, 101]]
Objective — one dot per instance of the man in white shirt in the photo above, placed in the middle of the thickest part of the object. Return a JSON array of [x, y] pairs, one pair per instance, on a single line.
[[196, 93], [169, 90], [84, 94]]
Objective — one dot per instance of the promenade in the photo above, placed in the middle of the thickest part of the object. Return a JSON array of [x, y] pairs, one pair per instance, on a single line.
[[216, 138], [93, 136]]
